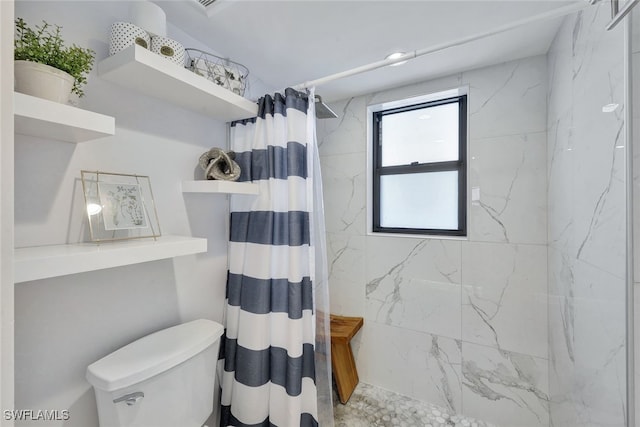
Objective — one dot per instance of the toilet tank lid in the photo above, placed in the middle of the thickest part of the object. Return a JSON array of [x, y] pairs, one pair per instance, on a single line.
[[153, 354]]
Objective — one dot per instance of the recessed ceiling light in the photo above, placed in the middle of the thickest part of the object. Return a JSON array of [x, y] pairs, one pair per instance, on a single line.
[[396, 55]]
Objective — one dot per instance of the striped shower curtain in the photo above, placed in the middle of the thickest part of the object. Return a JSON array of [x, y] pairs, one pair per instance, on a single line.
[[269, 376]]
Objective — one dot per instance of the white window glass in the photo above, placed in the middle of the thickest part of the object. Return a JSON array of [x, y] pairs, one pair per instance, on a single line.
[[422, 200], [424, 135]]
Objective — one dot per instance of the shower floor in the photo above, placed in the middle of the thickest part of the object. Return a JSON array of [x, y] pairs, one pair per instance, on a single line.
[[371, 406]]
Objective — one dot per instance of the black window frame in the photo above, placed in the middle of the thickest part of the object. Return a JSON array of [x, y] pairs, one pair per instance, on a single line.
[[459, 165]]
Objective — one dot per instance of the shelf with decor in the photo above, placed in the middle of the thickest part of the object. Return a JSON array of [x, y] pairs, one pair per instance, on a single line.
[[42, 118], [143, 71], [42, 262], [224, 187]]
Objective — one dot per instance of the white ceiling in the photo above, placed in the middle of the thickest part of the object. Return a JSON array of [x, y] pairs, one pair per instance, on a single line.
[[289, 42]]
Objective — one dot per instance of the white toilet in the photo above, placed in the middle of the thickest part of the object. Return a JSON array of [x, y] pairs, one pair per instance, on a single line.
[[165, 379]]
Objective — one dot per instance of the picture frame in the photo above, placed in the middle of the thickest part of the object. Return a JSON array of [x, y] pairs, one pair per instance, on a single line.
[[119, 206]]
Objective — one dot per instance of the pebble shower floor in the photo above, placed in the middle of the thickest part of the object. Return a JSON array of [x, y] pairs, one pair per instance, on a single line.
[[371, 406]]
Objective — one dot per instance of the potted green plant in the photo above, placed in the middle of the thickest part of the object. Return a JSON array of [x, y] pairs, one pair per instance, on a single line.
[[45, 67]]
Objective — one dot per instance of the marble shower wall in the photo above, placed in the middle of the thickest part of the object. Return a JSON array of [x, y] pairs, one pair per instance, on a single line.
[[635, 57], [586, 216], [461, 323]]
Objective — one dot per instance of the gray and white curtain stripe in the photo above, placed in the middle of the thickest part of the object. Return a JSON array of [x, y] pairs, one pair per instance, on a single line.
[[269, 374]]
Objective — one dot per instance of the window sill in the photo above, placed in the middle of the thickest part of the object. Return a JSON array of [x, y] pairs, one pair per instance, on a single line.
[[418, 236]]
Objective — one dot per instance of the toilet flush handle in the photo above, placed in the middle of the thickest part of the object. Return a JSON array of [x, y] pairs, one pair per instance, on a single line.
[[130, 399]]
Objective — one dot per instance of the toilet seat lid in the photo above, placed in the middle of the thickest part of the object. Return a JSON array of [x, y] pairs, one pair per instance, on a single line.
[[153, 354]]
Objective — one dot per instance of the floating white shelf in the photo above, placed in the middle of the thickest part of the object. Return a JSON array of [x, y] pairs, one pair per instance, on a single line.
[[213, 186], [47, 119], [42, 262], [144, 71]]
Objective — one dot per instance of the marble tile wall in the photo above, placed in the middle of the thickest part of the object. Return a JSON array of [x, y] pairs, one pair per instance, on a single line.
[[461, 323], [635, 57], [586, 223]]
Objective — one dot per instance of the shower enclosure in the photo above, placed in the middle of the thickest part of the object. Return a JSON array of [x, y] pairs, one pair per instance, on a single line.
[[528, 321], [587, 222]]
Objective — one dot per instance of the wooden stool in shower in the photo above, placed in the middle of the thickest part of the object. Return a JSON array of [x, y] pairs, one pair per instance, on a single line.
[[342, 362]]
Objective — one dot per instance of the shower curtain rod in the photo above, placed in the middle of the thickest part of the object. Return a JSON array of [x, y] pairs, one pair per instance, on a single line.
[[556, 13]]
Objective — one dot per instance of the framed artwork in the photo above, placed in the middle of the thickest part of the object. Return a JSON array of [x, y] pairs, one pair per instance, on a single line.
[[119, 206]]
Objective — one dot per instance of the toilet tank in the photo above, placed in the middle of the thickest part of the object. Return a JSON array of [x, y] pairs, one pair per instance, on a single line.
[[165, 379]]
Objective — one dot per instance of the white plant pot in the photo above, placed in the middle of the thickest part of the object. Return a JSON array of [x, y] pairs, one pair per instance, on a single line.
[[43, 81]]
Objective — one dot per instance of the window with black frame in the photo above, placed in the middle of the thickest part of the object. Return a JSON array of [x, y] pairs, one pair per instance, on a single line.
[[419, 168]]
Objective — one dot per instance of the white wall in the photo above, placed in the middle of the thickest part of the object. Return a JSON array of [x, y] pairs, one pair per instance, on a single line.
[[64, 324], [6, 209], [459, 323]]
